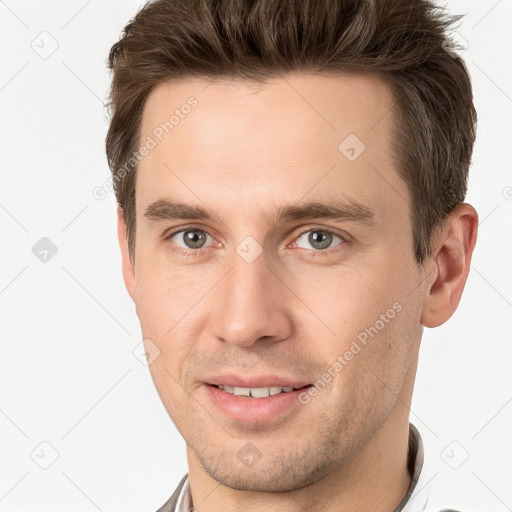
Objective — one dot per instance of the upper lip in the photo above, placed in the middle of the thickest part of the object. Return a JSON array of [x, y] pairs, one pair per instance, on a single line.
[[255, 381]]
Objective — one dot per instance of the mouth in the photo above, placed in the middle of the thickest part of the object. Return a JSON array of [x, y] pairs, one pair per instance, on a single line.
[[256, 405], [258, 392]]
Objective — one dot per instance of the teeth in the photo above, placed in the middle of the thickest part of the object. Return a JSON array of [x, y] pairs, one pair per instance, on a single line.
[[260, 392], [255, 392], [242, 391]]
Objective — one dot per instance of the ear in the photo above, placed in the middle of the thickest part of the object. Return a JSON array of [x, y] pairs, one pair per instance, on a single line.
[[451, 260], [128, 268]]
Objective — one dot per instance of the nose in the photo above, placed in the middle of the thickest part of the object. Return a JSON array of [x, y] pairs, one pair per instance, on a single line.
[[251, 304]]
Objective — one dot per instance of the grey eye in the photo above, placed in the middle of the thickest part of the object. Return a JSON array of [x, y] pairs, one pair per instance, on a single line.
[[318, 239], [190, 238]]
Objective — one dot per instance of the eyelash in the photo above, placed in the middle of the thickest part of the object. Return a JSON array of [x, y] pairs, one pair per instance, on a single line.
[[315, 253]]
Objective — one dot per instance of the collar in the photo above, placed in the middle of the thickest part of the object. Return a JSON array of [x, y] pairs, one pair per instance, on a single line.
[[416, 496]]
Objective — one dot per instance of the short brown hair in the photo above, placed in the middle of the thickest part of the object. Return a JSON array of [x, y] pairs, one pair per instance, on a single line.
[[404, 41]]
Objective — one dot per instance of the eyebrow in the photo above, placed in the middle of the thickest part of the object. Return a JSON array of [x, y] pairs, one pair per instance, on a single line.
[[334, 209]]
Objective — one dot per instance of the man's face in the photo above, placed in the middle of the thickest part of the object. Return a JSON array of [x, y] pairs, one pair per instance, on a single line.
[[245, 294]]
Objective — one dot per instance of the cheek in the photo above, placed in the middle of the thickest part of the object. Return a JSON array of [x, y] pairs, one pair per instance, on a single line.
[[164, 296], [171, 393], [369, 318], [346, 300], [167, 302]]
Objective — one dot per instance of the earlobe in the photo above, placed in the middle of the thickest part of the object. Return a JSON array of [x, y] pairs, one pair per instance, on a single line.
[[128, 268], [451, 257]]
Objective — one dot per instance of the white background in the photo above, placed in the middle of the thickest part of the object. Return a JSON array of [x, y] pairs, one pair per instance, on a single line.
[[68, 375]]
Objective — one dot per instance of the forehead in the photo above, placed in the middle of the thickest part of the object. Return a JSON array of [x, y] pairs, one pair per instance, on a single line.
[[291, 136], [252, 113]]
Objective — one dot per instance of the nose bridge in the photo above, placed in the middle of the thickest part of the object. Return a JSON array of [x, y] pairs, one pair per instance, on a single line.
[[250, 302]]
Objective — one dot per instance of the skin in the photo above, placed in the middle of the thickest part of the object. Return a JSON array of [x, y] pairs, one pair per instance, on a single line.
[[244, 149]]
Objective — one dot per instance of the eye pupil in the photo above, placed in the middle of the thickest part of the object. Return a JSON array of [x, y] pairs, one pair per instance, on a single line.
[[325, 239]]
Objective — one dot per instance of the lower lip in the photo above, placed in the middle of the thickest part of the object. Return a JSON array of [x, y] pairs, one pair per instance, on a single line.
[[253, 410]]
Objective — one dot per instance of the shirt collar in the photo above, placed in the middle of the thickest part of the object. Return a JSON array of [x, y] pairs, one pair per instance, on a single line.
[[416, 496], [184, 503]]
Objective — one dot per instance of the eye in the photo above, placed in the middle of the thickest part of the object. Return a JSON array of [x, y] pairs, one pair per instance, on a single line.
[[320, 240], [190, 241], [191, 238]]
